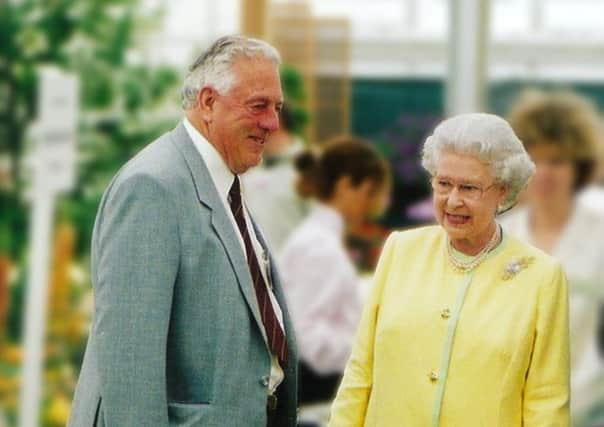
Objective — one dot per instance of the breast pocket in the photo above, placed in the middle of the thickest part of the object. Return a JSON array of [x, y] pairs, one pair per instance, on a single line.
[[188, 414]]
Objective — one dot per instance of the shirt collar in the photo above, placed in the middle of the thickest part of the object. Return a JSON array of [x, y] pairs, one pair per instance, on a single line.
[[329, 217], [219, 171]]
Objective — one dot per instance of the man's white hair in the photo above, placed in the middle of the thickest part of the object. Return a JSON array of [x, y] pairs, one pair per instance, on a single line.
[[213, 67], [492, 141]]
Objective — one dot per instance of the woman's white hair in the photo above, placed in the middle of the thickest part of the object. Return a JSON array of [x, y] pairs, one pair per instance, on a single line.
[[213, 67], [491, 140]]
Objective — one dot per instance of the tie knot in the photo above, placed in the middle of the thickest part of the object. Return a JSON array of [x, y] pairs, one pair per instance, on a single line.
[[235, 191]]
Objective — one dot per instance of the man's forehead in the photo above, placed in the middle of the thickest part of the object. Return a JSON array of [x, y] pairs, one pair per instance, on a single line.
[[255, 65], [257, 80], [251, 92]]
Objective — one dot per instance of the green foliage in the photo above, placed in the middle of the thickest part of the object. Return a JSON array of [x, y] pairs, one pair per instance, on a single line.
[[92, 38], [292, 83], [14, 325], [123, 106], [295, 95]]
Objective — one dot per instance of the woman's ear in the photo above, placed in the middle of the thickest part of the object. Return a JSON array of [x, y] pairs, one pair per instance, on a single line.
[[343, 185], [504, 190]]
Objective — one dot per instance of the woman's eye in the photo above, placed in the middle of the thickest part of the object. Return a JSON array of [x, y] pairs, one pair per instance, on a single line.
[[469, 188]]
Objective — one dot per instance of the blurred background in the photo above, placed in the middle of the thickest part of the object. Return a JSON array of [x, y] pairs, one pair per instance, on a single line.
[[385, 70]]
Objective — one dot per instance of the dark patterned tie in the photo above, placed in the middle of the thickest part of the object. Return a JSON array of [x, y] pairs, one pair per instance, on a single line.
[[274, 333]]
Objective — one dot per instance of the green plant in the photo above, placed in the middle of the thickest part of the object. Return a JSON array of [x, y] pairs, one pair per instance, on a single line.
[[123, 106], [295, 95]]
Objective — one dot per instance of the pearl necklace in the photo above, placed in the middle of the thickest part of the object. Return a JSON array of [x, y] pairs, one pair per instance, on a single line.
[[466, 266]]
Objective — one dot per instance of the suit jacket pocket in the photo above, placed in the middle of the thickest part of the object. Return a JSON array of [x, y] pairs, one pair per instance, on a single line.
[[187, 414], [98, 422]]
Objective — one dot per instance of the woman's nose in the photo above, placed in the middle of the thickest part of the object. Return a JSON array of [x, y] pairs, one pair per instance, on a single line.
[[453, 199]]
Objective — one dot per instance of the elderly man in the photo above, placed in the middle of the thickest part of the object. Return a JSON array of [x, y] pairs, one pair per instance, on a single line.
[[190, 325]]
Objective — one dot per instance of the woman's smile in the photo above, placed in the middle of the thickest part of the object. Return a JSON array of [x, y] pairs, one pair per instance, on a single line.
[[457, 220]]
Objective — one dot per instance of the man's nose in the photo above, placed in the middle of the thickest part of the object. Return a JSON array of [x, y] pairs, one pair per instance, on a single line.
[[270, 121]]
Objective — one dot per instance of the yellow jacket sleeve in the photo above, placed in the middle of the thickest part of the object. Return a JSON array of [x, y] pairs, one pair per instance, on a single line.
[[546, 395], [350, 405]]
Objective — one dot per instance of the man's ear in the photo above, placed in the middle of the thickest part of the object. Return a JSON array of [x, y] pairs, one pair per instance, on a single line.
[[206, 99]]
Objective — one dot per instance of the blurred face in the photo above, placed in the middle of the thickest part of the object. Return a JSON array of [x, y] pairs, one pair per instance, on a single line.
[[240, 121], [554, 180], [278, 142], [380, 199], [466, 199], [357, 203]]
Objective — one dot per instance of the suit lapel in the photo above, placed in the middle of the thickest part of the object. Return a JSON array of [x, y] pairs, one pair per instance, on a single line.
[[208, 196]]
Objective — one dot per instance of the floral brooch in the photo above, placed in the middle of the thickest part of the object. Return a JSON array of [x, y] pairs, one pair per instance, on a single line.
[[516, 266]]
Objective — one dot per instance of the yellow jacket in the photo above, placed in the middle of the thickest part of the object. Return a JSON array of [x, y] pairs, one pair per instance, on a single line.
[[436, 347]]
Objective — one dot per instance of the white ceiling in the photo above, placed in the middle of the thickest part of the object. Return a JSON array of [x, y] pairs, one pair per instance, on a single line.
[[558, 39]]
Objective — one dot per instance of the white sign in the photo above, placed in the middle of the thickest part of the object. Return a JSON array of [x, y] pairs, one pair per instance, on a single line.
[[53, 169], [55, 135], [58, 97]]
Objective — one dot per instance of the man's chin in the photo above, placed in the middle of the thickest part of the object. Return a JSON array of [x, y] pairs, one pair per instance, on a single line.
[[250, 164]]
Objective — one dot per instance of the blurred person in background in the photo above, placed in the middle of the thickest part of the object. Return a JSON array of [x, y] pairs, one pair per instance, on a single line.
[[561, 133], [465, 325], [270, 187], [347, 179], [190, 325], [593, 195]]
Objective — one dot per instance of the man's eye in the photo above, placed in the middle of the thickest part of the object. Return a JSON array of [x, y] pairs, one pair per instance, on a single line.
[[446, 184]]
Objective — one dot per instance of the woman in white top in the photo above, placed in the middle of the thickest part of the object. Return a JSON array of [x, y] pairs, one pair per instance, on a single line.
[[348, 180], [560, 132]]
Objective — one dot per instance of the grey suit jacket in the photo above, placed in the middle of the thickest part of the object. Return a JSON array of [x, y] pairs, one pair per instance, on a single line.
[[177, 338]]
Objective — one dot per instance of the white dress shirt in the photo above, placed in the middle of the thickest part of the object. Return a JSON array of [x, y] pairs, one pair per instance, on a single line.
[[322, 290], [592, 197], [223, 180], [580, 249]]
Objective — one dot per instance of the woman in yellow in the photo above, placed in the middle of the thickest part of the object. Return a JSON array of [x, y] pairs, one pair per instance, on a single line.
[[465, 326]]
